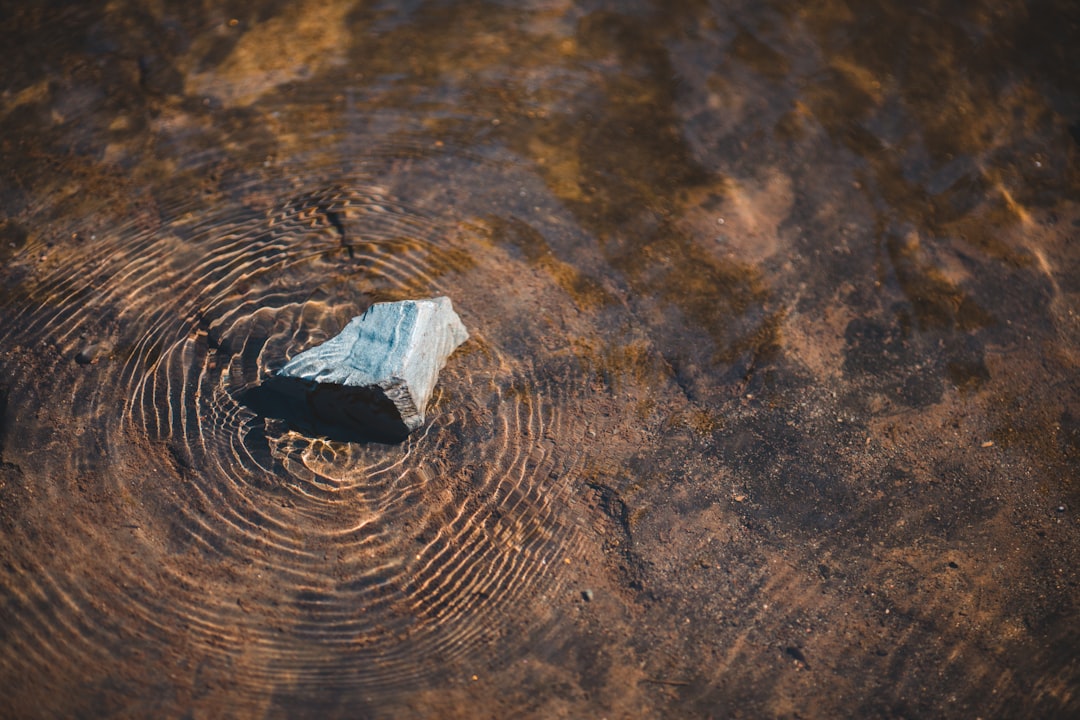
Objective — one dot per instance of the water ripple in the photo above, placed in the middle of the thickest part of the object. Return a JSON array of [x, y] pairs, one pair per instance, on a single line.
[[288, 557]]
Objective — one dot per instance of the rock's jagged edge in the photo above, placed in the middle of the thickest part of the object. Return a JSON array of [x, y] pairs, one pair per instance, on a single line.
[[374, 379]]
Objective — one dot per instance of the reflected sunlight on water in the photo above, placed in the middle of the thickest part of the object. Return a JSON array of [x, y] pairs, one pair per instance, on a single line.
[[770, 407]]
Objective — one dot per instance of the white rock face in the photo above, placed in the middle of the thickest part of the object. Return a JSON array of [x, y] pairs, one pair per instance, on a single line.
[[394, 352]]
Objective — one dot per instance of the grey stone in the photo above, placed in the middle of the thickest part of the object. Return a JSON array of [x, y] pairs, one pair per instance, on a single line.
[[379, 372]]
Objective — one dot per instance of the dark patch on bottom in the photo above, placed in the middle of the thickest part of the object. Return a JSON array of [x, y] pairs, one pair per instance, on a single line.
[[797, 655], [3, 420], [13, 495], [920, 390], [968, 375], [12, 238], [1070, 433], [614, 509]]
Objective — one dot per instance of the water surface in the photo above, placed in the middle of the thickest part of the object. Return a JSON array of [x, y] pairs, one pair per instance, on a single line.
[[770, 406]]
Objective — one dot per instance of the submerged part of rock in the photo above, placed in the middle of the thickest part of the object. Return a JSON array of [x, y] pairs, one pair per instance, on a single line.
[[378, 373]]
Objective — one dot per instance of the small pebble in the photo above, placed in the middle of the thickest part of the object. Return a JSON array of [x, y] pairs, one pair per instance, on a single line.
[[587, 595], [88, 354]]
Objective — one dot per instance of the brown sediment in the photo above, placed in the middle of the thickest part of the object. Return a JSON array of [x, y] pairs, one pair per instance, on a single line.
[[769, 406]]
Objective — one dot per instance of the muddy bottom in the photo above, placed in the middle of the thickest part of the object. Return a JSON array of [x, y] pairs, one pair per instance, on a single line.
[[770, 405]]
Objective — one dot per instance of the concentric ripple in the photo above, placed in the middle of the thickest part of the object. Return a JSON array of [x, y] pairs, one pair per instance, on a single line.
[[291, 562]]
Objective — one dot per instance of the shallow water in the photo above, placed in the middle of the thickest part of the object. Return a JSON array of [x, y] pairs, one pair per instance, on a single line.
[[770, 406]]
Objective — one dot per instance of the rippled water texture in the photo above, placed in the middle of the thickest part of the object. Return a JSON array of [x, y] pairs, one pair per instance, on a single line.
[[769, 408]]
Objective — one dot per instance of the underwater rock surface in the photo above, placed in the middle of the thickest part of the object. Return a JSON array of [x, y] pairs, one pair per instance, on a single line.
[[378, 373]]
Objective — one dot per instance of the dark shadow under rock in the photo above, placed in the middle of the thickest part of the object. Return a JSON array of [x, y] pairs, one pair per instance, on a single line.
[[336, 412]]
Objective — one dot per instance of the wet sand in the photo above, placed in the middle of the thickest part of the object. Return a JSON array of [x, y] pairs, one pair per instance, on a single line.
[[769, 409]]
